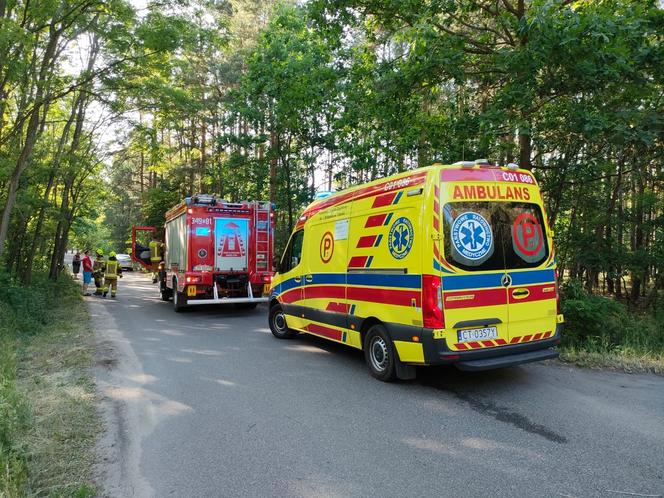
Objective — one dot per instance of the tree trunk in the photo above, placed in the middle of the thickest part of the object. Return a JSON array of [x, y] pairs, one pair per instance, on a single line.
[[274, 159], [31, 134], [525, 145]]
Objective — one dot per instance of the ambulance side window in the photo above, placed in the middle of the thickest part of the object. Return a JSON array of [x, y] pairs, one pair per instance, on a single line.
[[293, 253]]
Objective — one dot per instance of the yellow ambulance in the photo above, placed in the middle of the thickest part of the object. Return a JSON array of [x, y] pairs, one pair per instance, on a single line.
[[448, 264]]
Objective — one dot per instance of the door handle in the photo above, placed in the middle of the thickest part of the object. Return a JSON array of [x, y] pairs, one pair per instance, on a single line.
[[298, 279], [309, 278], [520, 293]]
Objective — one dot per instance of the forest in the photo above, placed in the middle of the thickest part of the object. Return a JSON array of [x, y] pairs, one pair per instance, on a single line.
[[111, 111]]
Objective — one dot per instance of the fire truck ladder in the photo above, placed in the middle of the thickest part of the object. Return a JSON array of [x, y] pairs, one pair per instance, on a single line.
[[263, 235]]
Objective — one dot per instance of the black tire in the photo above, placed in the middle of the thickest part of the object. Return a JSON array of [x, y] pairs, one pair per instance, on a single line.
[[179, 299], [379, 353], [278, 326], [166, 293], [246, 306]]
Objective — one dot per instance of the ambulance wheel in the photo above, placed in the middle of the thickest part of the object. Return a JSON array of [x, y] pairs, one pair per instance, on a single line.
[[179, 299], [379, 353], [278, 325]]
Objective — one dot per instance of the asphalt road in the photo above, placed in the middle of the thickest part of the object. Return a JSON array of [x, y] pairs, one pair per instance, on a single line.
[[208, 403]]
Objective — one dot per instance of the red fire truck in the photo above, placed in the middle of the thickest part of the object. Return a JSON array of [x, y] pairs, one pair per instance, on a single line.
[[216, 252]]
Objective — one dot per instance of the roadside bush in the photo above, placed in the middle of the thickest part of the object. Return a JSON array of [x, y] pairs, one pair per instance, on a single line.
[[26, 310], [597, 323]]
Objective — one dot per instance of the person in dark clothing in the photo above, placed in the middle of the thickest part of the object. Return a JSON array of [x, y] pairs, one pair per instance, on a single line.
[[76, 264]]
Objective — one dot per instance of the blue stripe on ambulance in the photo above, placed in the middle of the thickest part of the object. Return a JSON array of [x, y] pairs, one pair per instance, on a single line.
[[370, 280], [462, 282], [532, 277]]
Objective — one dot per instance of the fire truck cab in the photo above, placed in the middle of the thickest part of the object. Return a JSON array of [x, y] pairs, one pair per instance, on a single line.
[[217, 252]]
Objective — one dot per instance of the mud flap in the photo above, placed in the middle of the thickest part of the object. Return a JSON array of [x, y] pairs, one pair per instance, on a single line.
[[405, 372]]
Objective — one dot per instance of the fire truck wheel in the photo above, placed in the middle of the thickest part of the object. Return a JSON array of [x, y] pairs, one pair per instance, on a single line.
[[278, 323], [379, 353], [179, 299]]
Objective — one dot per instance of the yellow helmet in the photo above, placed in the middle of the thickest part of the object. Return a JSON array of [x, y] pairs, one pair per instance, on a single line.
[[111, 254], [100, 252]]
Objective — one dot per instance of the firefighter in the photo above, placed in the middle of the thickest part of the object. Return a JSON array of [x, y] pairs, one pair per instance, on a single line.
[[113, 271], [98, 269], [156, 250]]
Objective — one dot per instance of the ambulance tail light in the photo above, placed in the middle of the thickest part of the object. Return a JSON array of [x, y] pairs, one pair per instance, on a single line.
[[432, 302], [558, 306]]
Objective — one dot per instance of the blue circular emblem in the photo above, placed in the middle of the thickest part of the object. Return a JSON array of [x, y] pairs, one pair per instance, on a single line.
[[400, 239], [472, 236]]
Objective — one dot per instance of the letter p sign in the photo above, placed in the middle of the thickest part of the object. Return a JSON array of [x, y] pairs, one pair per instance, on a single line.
[[528, 238], [326, 247]]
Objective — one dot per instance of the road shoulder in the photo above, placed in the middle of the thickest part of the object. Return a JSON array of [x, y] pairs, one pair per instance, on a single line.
[[126, 413]]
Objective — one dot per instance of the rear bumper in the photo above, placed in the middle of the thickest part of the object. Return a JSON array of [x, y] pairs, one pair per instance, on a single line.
[[227, 300], [215, 299], [506, 361], [436, 352]]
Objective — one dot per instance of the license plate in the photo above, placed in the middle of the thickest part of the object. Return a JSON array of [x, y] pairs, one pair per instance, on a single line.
[[191, 291], [266, 289], [468, 335]]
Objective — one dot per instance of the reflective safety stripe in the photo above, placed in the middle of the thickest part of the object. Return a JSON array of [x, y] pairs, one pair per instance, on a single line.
[[111, 269]]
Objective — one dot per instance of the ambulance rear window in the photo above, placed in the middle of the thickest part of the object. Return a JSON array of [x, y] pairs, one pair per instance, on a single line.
[[481, 236]]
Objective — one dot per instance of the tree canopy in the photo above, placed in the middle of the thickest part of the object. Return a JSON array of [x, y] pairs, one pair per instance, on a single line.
[[110, 114]]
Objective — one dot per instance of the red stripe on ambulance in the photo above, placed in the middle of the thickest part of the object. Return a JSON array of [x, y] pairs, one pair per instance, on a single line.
[[475, 298], [291, 296], [325, 291], [366, 241], [385, 296], [391, 185], [358, 262], [338, 307], [375, 220], [383, 200], [324, 331], [502, 342]]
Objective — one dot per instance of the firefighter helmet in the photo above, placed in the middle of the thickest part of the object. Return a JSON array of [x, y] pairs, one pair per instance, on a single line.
[[100, 252], [111, 254]]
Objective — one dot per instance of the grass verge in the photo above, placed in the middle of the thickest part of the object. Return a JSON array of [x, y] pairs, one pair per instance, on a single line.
[[625, 361], [48, 418]]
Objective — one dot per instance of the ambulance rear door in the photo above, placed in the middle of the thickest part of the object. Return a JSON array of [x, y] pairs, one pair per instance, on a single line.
[[473, 269], [530, 274]]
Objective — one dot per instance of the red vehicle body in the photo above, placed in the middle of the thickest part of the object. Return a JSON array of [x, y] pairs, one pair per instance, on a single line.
[[217, 252]]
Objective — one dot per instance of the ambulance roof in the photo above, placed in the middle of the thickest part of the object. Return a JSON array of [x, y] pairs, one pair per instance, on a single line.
[[477, 168]]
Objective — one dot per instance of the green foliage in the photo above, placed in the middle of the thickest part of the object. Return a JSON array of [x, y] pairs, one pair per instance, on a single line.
[[23, 311], [598, 323], [13, 420], [155, 204], [26, 310]]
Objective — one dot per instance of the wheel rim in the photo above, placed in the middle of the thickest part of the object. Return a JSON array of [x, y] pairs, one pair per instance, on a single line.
[[175, 296], [378, 353], [279, 321]]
